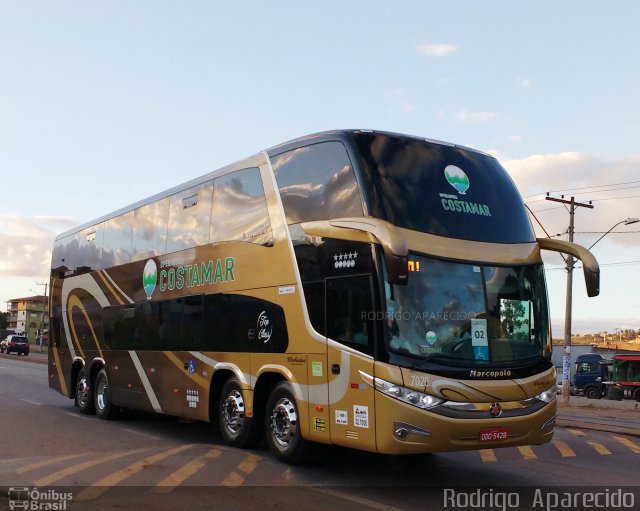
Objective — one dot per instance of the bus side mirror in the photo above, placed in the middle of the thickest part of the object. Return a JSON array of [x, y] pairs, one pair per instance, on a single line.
[[590, 266], [394, 245], [397, 267]]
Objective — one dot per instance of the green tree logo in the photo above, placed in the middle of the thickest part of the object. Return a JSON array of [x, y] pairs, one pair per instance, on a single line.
[[457, 178], [149, 278]]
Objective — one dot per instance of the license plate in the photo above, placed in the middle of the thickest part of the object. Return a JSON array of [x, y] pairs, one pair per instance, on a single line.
[[493, 434]]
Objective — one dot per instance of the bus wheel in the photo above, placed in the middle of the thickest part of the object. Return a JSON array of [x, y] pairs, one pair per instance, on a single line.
[[105, 409], [283, 427], [235, 427], [84, 393]]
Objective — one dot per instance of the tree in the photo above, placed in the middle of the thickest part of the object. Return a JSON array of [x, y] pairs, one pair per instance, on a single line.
[[513, 316], [4, 316]]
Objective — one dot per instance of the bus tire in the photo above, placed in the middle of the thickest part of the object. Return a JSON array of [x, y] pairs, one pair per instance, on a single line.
[[592, 393], [236, 428], [282, 424], [105, 409], [84, 393]]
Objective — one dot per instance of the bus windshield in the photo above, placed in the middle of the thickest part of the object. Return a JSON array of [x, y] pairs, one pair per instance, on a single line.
[[441, 189], [466, 314]]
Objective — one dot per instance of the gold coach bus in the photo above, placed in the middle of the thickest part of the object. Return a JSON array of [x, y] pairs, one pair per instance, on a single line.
[[358, 288]]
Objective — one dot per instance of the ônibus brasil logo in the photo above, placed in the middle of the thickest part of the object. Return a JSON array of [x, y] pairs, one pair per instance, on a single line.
[[457, 178], [150, 277]]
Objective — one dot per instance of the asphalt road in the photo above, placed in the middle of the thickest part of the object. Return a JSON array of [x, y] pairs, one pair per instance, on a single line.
[[161, 462]]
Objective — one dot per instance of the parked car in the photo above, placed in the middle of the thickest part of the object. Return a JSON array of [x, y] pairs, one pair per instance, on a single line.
[[17, 344], [4, 343]]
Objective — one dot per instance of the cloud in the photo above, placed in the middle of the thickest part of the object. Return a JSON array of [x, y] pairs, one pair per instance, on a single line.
[[524, 83], [437, 50], [25, 244], [470, 117], [583, 176]]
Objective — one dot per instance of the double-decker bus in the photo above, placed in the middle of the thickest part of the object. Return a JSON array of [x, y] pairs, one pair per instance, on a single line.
[[364, 289]]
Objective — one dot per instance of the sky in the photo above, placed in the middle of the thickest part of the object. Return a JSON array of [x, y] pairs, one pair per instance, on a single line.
[[105, 103]]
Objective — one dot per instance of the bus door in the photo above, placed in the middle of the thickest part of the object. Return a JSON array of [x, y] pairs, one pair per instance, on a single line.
[[182, 372], [350, 351]]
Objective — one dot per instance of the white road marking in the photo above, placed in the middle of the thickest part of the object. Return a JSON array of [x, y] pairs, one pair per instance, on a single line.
[[31, 402], [150, 437]]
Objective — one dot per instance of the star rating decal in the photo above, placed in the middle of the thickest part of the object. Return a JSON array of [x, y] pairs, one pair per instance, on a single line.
[[347, 260]]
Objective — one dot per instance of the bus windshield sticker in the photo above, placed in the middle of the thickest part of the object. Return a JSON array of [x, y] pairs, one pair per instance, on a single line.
[[479, 339]]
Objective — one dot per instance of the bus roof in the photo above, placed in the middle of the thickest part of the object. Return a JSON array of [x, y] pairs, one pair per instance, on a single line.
[[345, 135]]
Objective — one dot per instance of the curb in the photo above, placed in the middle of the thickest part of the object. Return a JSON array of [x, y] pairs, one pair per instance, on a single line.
[[609, 428], [28, 358]]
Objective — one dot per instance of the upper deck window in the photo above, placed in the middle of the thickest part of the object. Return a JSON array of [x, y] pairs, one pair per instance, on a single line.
[[441, 189], [150, 230], [317, 182], [240, 208], [190, 218]]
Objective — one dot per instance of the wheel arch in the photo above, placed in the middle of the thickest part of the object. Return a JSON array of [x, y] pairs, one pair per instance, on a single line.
[[263, 387]]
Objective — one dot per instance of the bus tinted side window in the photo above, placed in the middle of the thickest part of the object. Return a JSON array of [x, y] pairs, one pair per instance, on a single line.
[[240, 209], [189, 218], [150, 230], [65, 256], [317, 182], [166, 325], [90, 249], [238, 323], [116, 249]]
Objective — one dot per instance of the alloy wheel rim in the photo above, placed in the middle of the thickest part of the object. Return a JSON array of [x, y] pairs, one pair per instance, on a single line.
[[233, 412], [284, 422], [82, 392], [102, 395]]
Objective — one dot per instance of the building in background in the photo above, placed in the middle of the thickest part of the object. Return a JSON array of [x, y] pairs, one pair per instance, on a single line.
[[29, 315]]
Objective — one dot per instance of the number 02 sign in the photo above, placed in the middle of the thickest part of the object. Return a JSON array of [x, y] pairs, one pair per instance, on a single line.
[[479, 339]]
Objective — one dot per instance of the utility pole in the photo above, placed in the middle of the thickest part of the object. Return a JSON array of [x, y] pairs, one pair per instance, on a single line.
[[566, 358]]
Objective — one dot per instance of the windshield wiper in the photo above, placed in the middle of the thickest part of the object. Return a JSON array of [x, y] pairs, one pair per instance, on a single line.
[[435, 357]]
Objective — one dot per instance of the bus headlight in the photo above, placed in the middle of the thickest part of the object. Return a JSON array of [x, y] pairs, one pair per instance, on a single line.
[[548, 395], [409, 396]]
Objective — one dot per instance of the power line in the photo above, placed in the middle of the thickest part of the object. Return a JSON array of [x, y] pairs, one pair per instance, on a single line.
[[620, 263], [602, 232], [566, 190], [546, 209], [617, 198], [593, 200]]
